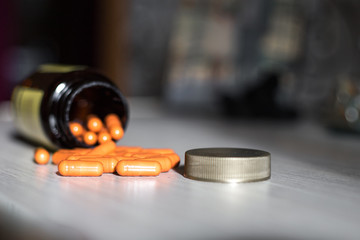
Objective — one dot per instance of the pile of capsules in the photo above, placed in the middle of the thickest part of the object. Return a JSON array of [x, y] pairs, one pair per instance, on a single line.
[[96, 131], [109, 158]]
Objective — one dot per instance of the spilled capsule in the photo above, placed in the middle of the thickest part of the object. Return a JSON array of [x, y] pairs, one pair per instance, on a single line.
[[103, 149], [63, 154], [165, 162], [158, 150], [80, 168], [109, 163], [41, 156], [138, 168]]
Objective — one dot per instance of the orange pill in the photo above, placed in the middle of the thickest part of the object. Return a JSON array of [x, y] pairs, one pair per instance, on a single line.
[[80, 168], [164, 162], [116, 132], [175, 159], [57, 157], [120, 158], [104, 137], [128, 149], [109, 163], [144, 155], [90, 138], [125, 154], [114, 126], [78, 156], [94, 123], [138, 168], [41, 156], [63, 154], [76, 129], [112, 120], [103, 149]]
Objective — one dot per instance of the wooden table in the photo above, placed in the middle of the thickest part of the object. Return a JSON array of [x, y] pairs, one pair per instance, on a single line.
[[313, 193]]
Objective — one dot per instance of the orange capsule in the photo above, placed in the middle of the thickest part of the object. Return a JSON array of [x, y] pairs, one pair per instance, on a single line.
[[76, 129], [80, 168], [103, 149], [116, 132], [109, 163], [112, 120], [120, 158], [143, 155], [90, 138], [104, 137], [78, 156], [138, 168], [122, 150], [114, 126], [175, 159], [57, 157], [41, 156], [94, 123], [63, 154], [125, 154], [164, 162]]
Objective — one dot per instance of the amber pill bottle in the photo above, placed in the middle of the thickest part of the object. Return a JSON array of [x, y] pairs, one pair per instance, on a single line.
[[45, 102]]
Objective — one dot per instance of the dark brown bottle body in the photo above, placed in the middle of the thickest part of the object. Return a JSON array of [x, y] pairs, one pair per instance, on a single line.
[[45, 103]]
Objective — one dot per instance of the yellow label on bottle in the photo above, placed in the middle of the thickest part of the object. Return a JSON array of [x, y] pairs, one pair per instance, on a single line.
[[59, 68], [26, 104]]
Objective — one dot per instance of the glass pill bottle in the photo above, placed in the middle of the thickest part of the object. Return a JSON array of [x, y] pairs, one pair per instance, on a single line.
[[47, 101]]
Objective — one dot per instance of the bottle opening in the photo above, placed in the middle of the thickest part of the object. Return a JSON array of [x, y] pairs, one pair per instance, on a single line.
[[95, 100]]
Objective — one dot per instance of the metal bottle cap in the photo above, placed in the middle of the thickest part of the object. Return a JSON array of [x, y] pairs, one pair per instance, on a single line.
[[227, 164]]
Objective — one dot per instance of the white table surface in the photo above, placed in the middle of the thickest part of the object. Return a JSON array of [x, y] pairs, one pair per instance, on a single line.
[[313, 193]]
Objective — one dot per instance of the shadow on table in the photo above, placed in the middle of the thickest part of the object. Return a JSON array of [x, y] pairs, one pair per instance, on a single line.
[[22, 140], [180, 169]]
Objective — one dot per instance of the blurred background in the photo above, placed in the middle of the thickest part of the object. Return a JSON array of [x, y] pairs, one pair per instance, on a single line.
[[272, 59]]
